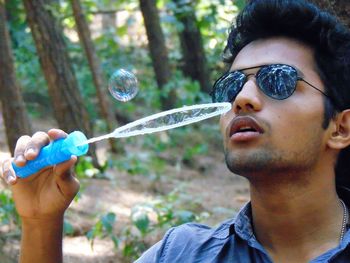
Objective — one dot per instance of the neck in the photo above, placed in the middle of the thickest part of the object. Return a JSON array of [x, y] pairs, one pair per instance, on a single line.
[[307, 212]]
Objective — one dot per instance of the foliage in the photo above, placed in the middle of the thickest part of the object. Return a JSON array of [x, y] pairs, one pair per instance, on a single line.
[[103, 228], [85, 168], [171, 210], [190, 152], [8, 213], [125, 46], [152, 160], [187, 91], [9, 219], [119, 49], [141, 163], [68, 229]]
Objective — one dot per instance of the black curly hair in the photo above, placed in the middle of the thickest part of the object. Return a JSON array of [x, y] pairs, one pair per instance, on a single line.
[[305, 22]]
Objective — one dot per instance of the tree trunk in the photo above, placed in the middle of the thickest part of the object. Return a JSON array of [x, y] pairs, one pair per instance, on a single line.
[[341, 8], [158, 50], [193, 55], [94, 63], [68, 105], [13, 108]]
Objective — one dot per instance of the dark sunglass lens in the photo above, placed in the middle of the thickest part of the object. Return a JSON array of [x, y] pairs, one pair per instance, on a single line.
[[277, 81], [227, 87]]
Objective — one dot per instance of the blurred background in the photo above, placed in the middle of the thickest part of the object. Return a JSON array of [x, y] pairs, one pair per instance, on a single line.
[[56, 57]]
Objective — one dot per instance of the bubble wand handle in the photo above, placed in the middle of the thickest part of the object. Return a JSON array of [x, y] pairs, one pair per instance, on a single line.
[[56, 152]]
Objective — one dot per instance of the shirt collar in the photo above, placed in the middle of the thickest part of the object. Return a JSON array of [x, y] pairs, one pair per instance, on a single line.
[[241, 224]]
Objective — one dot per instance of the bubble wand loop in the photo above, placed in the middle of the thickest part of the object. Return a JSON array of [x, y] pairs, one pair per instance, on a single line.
[[77, 144]]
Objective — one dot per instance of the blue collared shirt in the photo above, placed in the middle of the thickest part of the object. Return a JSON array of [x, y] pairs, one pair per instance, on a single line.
[[232, 241]]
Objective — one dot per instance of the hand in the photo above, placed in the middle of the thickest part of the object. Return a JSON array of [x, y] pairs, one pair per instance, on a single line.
[[48, 193]]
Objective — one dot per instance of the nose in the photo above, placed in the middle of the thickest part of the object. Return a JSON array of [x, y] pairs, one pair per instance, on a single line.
[[248, 99]]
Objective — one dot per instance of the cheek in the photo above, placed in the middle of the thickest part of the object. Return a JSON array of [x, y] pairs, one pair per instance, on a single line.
[[301, 126], [224, 122]]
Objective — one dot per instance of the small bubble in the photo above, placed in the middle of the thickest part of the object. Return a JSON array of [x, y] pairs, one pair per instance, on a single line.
[[123, 85]]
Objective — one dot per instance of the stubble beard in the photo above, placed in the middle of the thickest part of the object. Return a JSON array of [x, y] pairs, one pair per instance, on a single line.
[[266, 161], [249, 163]]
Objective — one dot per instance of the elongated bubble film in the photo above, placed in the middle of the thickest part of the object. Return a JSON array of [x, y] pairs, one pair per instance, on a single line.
[[167, 120]]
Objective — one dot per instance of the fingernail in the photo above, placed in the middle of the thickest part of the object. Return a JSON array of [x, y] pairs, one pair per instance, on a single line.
[[20, 159], [31, 151], [10, 177]]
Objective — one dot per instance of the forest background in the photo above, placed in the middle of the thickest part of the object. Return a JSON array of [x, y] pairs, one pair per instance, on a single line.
[[56, 58]]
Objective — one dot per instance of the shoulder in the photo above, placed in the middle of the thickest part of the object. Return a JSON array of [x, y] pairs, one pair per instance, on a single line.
[[191, 231]]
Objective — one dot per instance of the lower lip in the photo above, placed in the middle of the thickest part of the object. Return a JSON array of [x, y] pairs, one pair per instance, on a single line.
[[244, 136]]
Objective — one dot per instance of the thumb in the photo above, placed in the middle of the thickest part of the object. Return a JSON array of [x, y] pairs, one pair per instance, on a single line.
[[65, 179]]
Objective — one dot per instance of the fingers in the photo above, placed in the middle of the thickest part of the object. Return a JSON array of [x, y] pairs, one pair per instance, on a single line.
[[65, 179], [56, 134], [38, 140], [20, 148], [27, 148], [7, 172]]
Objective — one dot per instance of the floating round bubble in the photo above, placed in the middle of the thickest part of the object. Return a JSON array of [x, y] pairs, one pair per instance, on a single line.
[[123, 85], [167, 120]]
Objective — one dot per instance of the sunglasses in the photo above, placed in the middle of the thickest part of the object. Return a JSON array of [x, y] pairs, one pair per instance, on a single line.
[[277, 81]]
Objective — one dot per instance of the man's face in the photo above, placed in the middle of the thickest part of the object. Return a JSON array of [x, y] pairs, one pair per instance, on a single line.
[[264, 135]]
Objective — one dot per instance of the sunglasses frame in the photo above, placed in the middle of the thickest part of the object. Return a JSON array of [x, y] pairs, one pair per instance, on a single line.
[[298, 72]]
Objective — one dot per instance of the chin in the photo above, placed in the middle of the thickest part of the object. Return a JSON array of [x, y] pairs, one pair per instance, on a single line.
[[253, 162]]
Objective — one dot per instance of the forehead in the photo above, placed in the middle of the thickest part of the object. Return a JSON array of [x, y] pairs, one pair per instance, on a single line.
[[280, 50]]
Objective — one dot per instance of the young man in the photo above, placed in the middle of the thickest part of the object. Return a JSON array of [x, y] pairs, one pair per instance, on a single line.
[[288, 133]]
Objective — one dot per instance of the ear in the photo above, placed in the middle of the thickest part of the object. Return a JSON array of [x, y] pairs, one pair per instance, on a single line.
[[340, 131]]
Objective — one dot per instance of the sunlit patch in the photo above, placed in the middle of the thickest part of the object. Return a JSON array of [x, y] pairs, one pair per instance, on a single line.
[[4, 155], [80, 247]]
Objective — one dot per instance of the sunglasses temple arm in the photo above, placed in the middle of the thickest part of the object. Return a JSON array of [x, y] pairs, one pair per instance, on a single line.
[[314, 87]]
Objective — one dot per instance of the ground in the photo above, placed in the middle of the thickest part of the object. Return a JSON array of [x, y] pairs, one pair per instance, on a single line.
[[207, 182]]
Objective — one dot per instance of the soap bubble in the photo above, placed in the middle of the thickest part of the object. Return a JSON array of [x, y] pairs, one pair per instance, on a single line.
[[123, 85]]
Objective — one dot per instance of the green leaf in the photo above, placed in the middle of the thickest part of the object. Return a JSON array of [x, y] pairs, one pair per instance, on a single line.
[[184, 216], [122, 30], [141, 221], [115, 241], [108, 221], [90, 234], [67, 228], [128, 250]]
